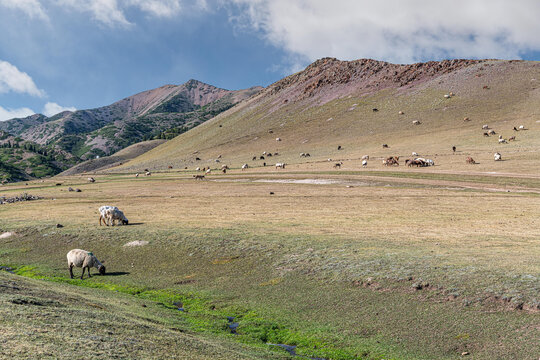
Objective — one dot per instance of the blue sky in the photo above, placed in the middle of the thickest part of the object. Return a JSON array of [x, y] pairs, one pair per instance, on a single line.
[[77, 54]]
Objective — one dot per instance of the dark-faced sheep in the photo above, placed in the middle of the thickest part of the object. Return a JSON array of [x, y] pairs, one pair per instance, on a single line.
[[385, 146], [84, 259], [470, 160]]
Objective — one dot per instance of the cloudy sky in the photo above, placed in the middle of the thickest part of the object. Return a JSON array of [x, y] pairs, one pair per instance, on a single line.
[[77, 54]]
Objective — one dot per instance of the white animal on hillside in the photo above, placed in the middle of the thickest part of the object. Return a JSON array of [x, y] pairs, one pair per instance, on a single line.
[[137, 175], [521, 127], [364, 163], [208, 171], [278, 139], [110, 214], [497, 157], [280, 165], [416, 122], [430, 162], [84, 259], [148, 173], [91, 179], [501, 140], [365, 157], [485, 127], [198, 169], [245, 166], [414, 154]]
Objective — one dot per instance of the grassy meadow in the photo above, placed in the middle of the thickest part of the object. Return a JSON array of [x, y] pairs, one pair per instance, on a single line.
[[344, 264]]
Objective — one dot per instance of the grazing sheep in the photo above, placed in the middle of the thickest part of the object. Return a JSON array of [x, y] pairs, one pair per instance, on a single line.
[[453, 149], [84, 259], [198, 177], [375, 109], [365, 157], [264, 153], [170, 167], [224, 167], [208, 171], [501, 140], [197, 169], [416, 122], [277, 154], [414, 154], [280, 165], [470, 160], [485, 127], [415, 162], [430, 162], [385, 146], [486, 134], [148, 173], [339, 147], [492, 132], [446, 96], [401, 113], [261, 157], [217, 160], [337, 165], [197, 159], [515, 129], [245, 166], [137, 175], [364, 163], [269, 154], [522, 127], [111, 214], [278, 139], [91, 179], [254, 158], [497, 156], [224, 171], [511, 138], [466, 119]]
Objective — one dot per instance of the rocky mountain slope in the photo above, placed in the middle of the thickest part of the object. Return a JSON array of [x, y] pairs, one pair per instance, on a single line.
[[362, 104], [160, 113], [105, 130]]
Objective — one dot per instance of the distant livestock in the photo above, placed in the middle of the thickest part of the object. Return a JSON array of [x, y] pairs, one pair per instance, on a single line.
[[364, 163], [414, 154], [485, 127], [502, 140], [254, 158], [198, 177], [261, 157], [278, 139], [365, 157], [339, 147], [401, 113], [280, 165], [453, 149], [416, 122], [170, 167], [390, 161], [137, 175], [511, 138], [91, 179], [385, 146], [208, 171], [148, 173], [470, 160], [497, 156], [491, 132], [337, 165], [197, 169], [486, 134], [522, 127], [84, 259], [375, 109], [245, 166]]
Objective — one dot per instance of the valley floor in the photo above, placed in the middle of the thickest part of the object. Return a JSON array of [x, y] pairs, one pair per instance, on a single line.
[[343, 264]]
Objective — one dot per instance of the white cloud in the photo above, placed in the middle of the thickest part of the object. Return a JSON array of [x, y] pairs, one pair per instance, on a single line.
[[400, 31], [107, 12], [32, 8], [51, 109], [158, 8], [12, 79], [6, 114]]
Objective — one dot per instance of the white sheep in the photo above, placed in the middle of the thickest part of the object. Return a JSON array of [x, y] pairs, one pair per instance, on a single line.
[[501, 140], [414, 154], [485, 127], [430, 162], [148, 173], [365, 157], [198, 169], [137, 175], [91, 179], [278, 139], [497, 157], [84, 259], [245, 166], [416, 122], [208, 171], [280, 165], [521, 127], [110, 214], [364, 163]]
